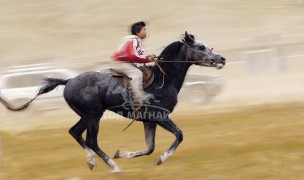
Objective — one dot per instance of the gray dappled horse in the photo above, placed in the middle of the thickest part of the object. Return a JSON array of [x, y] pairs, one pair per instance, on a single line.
[[91, 93]]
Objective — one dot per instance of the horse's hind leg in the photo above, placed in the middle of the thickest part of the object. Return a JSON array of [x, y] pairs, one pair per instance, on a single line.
[[150, 129], [91, 142], [77, 130]]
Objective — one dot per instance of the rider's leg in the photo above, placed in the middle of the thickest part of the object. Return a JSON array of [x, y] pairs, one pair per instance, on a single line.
[[136, 82], [137, 85]]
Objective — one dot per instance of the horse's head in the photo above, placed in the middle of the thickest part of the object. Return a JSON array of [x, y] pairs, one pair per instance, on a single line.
[[202, 55]]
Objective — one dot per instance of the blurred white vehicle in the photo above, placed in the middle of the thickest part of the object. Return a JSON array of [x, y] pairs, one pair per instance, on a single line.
[[21, 83], [201, 88]]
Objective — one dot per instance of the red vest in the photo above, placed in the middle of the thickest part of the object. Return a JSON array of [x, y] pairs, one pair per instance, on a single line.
[[130, 51]]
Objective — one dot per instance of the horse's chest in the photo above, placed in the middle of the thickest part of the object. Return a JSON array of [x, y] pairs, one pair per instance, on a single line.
[[168, 100]]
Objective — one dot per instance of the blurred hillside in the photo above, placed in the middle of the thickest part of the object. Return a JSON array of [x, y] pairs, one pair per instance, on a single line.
[[87, 32]]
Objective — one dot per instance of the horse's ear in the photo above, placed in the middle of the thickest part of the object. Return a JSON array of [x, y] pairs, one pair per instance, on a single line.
[[188, 38], [186, 34]]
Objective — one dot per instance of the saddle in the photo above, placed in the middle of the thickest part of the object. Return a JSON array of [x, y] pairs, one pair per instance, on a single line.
[[148, 76]]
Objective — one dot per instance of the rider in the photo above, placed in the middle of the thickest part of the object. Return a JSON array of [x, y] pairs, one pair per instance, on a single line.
[[131, 51]]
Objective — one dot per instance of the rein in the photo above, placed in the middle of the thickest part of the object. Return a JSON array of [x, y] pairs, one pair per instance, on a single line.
[[194, 50], [161, 60]]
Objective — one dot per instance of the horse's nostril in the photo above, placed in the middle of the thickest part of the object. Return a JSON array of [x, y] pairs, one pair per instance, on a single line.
[[223, 59]]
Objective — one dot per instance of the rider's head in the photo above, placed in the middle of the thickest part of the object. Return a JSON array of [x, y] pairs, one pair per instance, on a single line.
[[139, 29]]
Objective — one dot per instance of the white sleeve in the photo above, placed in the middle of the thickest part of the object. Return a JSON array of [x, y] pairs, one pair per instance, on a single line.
[[137, 48]]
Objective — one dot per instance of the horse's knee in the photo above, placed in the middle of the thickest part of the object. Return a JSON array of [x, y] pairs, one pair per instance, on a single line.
[[150, 150], [180, 136]]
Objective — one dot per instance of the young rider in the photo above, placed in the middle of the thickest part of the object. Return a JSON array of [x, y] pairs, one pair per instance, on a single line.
[[131, 51]]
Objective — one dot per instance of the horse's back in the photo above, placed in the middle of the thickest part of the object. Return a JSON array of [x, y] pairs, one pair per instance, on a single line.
[[90, 85]]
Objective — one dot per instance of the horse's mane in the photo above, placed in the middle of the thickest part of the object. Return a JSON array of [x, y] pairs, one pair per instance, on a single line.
[[170, 52]]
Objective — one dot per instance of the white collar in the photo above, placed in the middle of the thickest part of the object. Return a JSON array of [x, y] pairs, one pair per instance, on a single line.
[[133, 37]]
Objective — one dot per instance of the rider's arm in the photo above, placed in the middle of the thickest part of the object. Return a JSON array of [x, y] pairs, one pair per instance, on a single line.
[[130, 52]]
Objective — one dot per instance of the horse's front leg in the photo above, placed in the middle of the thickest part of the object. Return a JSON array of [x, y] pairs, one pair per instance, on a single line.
[[169, 125], [150, 128]]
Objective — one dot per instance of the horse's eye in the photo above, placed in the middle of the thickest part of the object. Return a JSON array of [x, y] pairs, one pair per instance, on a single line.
[[202, 47]]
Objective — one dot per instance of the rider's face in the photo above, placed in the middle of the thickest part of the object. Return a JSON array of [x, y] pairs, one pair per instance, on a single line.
[[142, 34]]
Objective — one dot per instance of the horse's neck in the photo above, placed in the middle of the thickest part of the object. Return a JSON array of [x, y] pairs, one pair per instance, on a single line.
[[177, 76], [176, 73]]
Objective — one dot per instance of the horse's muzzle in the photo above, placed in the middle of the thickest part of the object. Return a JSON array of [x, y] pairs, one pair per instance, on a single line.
[[221, 64], [218, 61]]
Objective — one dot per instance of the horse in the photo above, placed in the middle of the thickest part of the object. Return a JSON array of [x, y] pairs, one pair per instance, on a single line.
[[91, 93]]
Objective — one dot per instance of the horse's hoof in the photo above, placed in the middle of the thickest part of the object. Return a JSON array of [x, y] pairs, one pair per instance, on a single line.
[[160, 160], [116, 170], [117, 154], [90, 165]]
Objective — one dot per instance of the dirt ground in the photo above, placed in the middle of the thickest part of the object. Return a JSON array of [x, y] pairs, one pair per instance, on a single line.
[[251, 142], [252, 130]]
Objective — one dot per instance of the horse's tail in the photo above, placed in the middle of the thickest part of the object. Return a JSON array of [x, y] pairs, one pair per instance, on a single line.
[[51, 83]]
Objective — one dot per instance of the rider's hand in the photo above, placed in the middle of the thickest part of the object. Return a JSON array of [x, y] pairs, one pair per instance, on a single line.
[[151, 57]]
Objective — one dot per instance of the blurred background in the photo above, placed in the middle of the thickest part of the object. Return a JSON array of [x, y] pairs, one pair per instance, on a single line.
[[241, 122]]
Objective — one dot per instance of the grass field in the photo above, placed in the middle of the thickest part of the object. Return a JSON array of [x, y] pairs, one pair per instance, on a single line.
[[252, 142]]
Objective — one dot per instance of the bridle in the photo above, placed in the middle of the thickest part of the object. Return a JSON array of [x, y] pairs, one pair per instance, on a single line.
[[202, 63]]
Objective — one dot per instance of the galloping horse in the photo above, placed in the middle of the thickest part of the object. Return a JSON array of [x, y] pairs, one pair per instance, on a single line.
[[92, 93]]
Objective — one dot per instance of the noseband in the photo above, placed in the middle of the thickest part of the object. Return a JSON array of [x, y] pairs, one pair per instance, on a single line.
[[205, 61]]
